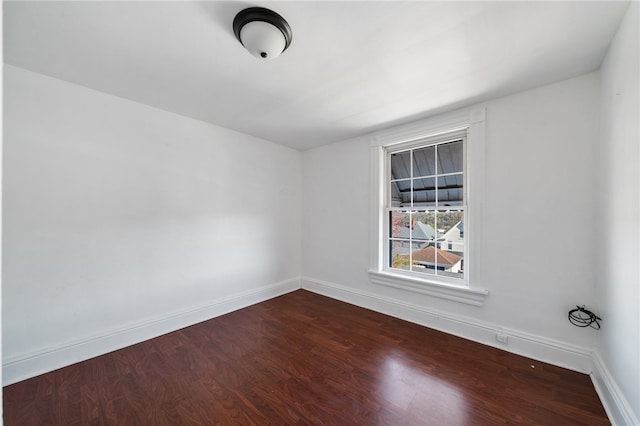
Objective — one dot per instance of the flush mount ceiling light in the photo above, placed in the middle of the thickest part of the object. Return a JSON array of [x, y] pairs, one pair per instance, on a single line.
[[264, 33]]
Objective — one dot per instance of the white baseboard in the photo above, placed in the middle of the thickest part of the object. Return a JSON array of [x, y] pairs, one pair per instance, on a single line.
[[21, 367], [519, 342], [613, 400]]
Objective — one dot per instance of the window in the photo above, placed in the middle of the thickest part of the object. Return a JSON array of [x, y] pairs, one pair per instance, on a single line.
[[425, 206], [427, 189]]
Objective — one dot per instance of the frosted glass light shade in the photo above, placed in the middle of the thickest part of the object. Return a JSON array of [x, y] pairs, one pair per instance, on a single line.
[[262, 39]]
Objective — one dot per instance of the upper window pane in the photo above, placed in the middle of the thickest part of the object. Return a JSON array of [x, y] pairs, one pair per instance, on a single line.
[[401, 193], [429, 176], [450, 157], [450, 190], [424, 192], [401, 165], [424, 161]]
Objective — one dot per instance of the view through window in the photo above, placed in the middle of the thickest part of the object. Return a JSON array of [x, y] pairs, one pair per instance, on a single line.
[[426, 208]]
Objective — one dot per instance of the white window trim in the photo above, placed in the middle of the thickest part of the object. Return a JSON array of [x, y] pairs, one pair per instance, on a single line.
[[467, 291]]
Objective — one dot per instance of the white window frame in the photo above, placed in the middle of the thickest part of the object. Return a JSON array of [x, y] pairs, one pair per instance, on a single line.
[[471, 123], [458, 135]]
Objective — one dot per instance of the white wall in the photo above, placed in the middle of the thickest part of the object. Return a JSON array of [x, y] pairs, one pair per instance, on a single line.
[[119, 216], [540, 162], [618, 345]]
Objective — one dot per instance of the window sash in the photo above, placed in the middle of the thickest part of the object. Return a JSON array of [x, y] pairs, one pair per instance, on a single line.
[[460, 135], [389, 239]]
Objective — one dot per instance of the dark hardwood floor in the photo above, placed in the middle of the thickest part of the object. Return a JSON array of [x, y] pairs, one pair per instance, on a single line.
[[306, 359]]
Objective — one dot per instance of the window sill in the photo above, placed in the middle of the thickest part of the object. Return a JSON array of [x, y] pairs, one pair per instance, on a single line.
[[469, 296]]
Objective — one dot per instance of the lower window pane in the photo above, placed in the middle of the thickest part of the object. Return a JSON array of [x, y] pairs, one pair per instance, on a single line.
[[450, 253], [429, 242], [399, 224], [423, 259], [399, 251]]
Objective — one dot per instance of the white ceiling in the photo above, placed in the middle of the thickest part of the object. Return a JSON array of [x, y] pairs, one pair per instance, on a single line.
[[353, 67]]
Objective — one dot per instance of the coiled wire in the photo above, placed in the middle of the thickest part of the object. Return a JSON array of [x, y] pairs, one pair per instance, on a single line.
[[582, 317]]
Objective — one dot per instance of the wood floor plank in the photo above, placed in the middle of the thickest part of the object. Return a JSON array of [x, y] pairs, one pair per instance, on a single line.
[[306, 359]]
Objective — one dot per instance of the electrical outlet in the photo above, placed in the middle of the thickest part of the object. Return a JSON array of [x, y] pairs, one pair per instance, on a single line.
[[502, 338]]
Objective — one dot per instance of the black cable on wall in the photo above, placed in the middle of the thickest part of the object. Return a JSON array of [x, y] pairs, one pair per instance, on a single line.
[[582, 317]]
